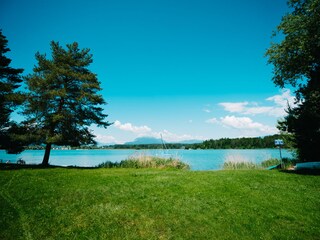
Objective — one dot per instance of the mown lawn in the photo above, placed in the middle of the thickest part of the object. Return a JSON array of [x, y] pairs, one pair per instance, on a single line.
[[158, 204]]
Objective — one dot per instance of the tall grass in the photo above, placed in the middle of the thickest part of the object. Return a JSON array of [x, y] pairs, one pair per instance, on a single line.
[[236, 163], [286, 162], [145, 161], [270, 162], [240, 165]]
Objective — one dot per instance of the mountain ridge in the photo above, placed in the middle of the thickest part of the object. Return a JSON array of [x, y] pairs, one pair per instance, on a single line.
[[153, 140]]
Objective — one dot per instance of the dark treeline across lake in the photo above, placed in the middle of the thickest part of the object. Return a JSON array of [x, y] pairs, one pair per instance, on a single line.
[[223, 143]]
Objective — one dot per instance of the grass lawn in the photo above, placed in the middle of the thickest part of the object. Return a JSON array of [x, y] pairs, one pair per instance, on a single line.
[[158, 204]]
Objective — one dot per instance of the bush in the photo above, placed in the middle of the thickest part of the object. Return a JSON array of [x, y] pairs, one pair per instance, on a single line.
[[270, 162], [108, 164]]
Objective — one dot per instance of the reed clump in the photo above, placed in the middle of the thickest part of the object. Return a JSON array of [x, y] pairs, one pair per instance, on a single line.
[[270, 162], [144, 161], [242, 164]]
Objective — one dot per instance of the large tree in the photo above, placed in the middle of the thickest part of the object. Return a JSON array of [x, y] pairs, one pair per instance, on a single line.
[[10, 98], [296, 61], [63, 99]]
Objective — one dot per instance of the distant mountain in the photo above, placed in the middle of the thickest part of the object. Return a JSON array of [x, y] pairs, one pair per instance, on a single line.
[[145, 140], [152, 140]]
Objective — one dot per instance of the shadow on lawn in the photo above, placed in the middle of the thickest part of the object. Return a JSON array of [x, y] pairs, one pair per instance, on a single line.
[[314, 172], [15, 166]]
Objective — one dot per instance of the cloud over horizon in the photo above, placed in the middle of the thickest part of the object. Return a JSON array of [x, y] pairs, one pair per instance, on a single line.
[[140, 130], [245, 124], [145, 131], [280, 104]]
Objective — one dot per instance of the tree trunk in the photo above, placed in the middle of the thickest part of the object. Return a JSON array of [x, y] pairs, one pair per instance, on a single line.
[[46, 156]]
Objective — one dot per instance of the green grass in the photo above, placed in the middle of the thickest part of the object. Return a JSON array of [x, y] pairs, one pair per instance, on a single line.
[[64, 203]]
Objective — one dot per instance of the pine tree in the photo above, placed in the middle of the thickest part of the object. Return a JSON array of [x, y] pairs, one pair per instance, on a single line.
[[10, 98], [63, 99]]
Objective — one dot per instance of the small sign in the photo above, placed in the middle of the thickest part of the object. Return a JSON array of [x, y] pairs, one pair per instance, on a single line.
[[278, 142]]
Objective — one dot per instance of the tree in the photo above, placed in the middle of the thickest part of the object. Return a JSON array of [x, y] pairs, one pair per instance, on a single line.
[[296, 61], [63, 98], [10, 98]]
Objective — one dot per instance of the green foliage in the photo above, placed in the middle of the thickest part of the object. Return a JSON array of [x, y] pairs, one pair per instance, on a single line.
[[270, 162], [109, 164], [158, 204], [241, 143], [63, 98], [296, 58], [303, 122], [10, 98], [223, 143], [144, 161], [10, 81], [287, 162], [16, 137], [296, 61]]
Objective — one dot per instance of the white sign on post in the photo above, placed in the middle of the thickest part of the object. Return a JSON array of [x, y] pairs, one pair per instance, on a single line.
[[278, 142]]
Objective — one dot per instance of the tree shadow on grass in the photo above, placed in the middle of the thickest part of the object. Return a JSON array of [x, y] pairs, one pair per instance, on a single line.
[[10, 226], [313, 172], [14, 166]]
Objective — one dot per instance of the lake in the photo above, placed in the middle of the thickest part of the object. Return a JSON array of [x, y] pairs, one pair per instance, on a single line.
[[197, 159]]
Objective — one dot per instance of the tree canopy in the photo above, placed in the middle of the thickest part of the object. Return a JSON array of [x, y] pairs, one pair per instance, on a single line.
[[296, 61], [10, 98], [63, 99]]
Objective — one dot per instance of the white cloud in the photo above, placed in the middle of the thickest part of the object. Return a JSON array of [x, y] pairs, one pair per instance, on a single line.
[[258, 110], [141, 130], [245, 123], [284, 99], [280, 103], [147, 131], [234, 106], [239, 122], [212, 120], [105, 139], [245, 108]]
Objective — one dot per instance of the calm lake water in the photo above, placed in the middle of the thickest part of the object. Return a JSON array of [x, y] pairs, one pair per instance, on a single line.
[[197, 159]]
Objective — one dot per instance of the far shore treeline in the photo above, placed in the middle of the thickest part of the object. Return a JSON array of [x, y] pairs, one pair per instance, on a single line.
[[223, 143]]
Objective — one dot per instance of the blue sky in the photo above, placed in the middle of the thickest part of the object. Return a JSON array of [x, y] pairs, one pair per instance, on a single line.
[[184, 69]]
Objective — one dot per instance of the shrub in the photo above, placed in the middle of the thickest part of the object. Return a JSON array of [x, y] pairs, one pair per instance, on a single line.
[[108, 164], [270, 162]]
